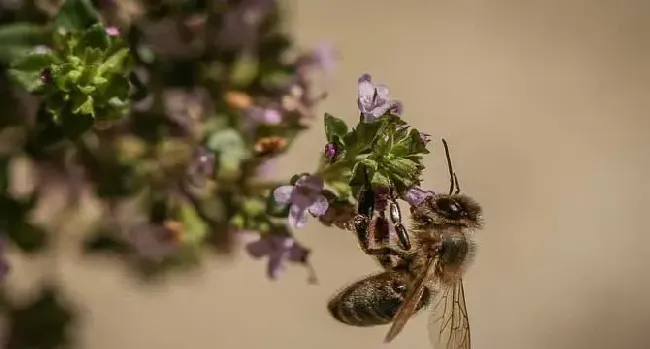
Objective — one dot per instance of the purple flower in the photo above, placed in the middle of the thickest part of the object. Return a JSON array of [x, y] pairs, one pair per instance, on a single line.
[[270, 116], [305, 195], [324, 56], [279, 249], [242, 22], [112, 31], [331, 151], [201, 167], [416, 195], [426, 138], [374, 100]]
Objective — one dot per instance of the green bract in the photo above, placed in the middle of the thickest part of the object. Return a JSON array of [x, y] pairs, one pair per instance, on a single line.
[[387, 153], [83, 79]]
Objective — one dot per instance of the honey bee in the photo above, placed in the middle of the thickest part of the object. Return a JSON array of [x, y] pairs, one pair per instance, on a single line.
[[270, 146], [420, 267]]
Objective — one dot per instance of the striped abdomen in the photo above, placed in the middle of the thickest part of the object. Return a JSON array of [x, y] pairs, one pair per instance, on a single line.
[[372, 301]]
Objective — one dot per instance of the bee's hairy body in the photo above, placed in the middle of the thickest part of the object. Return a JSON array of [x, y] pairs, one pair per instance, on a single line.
[[376, 299]]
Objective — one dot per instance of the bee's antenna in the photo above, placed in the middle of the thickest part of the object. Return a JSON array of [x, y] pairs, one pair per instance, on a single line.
[[452, 175]]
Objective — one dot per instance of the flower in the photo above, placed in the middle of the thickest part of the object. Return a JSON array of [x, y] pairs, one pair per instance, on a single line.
[[201, 167], [324, 56], [374, 100], [426, 138], [279, 249], [305, 195], [242, 22], [112, 31], [331, 151], [415, 195], [270, 116]]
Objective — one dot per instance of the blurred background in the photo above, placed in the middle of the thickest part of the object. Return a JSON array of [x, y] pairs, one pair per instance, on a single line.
[[545, 106]]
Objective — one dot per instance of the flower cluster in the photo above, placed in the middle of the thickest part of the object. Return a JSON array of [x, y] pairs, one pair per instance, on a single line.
[[382, 152], [170, 118]]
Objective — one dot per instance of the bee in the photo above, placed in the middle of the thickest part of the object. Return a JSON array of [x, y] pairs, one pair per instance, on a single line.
[[270, 146], [421, 269]]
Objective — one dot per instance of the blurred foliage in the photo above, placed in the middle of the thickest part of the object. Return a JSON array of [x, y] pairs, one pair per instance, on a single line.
[[170, 114]]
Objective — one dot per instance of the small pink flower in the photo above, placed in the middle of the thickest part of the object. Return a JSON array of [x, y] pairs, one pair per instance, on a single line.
[[374, 100], [305, 195], [112, 31], [279, 249]]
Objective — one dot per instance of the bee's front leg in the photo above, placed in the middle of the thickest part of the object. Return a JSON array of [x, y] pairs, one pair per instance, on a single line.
[[368, 229]]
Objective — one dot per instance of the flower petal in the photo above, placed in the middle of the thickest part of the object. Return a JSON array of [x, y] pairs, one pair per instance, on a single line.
[[319, 207], [416, 195], [396, 108], [311, 183], [282, 194], [366, 94], [259, 248], [383, 94], [275, 267], [380, 109], [297, 216], [271, 116], [298, 253]]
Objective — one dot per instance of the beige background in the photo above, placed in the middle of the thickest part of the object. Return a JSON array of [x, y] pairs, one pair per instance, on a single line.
[[545, 105]]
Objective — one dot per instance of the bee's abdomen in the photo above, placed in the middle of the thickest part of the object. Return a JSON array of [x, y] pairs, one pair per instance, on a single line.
[[372, 301]]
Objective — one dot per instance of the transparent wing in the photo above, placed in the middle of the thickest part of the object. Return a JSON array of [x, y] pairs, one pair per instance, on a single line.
[[448, 322], [407, 309]]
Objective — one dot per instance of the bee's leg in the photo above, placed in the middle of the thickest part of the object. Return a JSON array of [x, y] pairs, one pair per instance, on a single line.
[[369, 242], [396, 218], [366, 227]]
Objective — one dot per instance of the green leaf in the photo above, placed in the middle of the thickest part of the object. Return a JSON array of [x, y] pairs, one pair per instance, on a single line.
[[228, 141], [28, 237], [342, 189], [34, 62], [381, 180], [95, 37], [335, 127], [76, 15], [365, 136], [115, 63], [194, 228], [30, 80], [416, 144], [245, 70], [17, 39], [362, 172]]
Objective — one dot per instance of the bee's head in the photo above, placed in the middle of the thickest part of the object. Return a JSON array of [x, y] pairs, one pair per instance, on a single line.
[[448, 209]]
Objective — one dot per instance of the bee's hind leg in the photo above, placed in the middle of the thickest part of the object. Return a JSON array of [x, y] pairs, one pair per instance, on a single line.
[[373, 234]]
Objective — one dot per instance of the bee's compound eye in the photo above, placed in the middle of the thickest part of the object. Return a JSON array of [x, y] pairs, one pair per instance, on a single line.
[[399, 287], [451, 208]]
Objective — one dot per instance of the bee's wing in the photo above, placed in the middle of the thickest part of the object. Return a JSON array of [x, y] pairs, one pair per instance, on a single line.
[[410, 301], [448, 322]]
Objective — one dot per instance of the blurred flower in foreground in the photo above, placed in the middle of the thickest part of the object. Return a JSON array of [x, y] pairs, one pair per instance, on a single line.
[[154, 242], [279, 249], [305, 195], [374, 100], [202, 167], [416, 195]]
